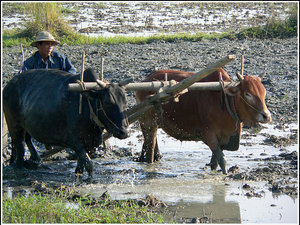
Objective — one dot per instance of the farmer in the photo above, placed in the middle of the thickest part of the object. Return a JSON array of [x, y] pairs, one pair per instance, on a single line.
[[45, 57]]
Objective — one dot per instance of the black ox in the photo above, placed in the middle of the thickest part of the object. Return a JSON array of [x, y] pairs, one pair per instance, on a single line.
[[38, 104]]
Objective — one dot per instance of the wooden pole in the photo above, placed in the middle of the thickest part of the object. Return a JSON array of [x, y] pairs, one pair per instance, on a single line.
[[23, 58], [102, 69], [152, 86], [242, 65], [81, 80], [200, 75]]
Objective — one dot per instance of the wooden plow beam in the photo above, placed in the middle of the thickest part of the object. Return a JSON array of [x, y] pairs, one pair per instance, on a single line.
[[166, 91]]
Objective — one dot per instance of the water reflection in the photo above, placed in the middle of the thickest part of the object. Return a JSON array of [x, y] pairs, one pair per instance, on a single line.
[[216, 211]]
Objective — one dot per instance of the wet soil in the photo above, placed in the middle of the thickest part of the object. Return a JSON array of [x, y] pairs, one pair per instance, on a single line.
[[277, 57]]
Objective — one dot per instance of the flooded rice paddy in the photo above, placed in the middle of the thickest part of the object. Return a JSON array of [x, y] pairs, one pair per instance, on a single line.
[[262, 183], [135, 18]]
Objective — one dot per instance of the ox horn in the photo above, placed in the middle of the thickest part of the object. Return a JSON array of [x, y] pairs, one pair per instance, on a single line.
[[125, 82], [242, 65], [239, 76], [101, 83], [262, 75]]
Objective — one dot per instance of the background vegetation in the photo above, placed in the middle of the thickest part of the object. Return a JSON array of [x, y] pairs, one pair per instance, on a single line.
[[49, 16]]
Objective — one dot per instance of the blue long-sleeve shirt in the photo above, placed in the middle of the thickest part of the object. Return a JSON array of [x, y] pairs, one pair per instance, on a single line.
[[55, 61]]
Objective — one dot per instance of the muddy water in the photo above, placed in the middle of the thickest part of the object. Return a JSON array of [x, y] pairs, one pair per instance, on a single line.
[[182, 179]]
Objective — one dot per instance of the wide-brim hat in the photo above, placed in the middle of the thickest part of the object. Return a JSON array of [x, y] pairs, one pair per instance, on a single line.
[[44, 36]]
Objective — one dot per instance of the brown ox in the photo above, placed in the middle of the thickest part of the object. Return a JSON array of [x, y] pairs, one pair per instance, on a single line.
[[203, 115]]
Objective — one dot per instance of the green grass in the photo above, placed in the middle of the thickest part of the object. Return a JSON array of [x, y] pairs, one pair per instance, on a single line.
[[52, 208], [13, 38]]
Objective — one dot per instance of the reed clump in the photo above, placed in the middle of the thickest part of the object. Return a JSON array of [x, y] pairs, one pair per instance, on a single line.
[[45, 16], [274, 28]]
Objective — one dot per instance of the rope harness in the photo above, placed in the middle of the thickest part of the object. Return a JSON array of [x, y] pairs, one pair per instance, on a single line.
[[252, 107], [234, 114], [93, 116], [101, 108]]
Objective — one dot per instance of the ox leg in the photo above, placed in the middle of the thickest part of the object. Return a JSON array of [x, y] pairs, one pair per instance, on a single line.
[[148, 124], [13, 154], [34, 156], [18, 148], [217, 153], [150, 142], [218, 157], [213, 162], [84, 161], [17, 138], [157, 155]]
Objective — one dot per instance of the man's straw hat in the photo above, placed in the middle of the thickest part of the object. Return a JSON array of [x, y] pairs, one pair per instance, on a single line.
[[44, 36]]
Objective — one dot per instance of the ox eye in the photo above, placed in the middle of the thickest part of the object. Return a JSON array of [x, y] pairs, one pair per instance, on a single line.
[[249, 96]]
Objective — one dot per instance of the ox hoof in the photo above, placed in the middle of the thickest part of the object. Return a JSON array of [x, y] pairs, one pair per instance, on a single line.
[[157, 157], [13, 171], [32, 164], [78, 178], [89, 180], [141, 159]]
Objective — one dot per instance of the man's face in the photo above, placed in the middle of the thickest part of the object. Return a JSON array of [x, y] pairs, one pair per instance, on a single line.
[[45, 48]]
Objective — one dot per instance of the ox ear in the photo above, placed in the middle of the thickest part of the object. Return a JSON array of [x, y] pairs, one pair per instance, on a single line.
[[90, 94], [232, 90], [262, 75]]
